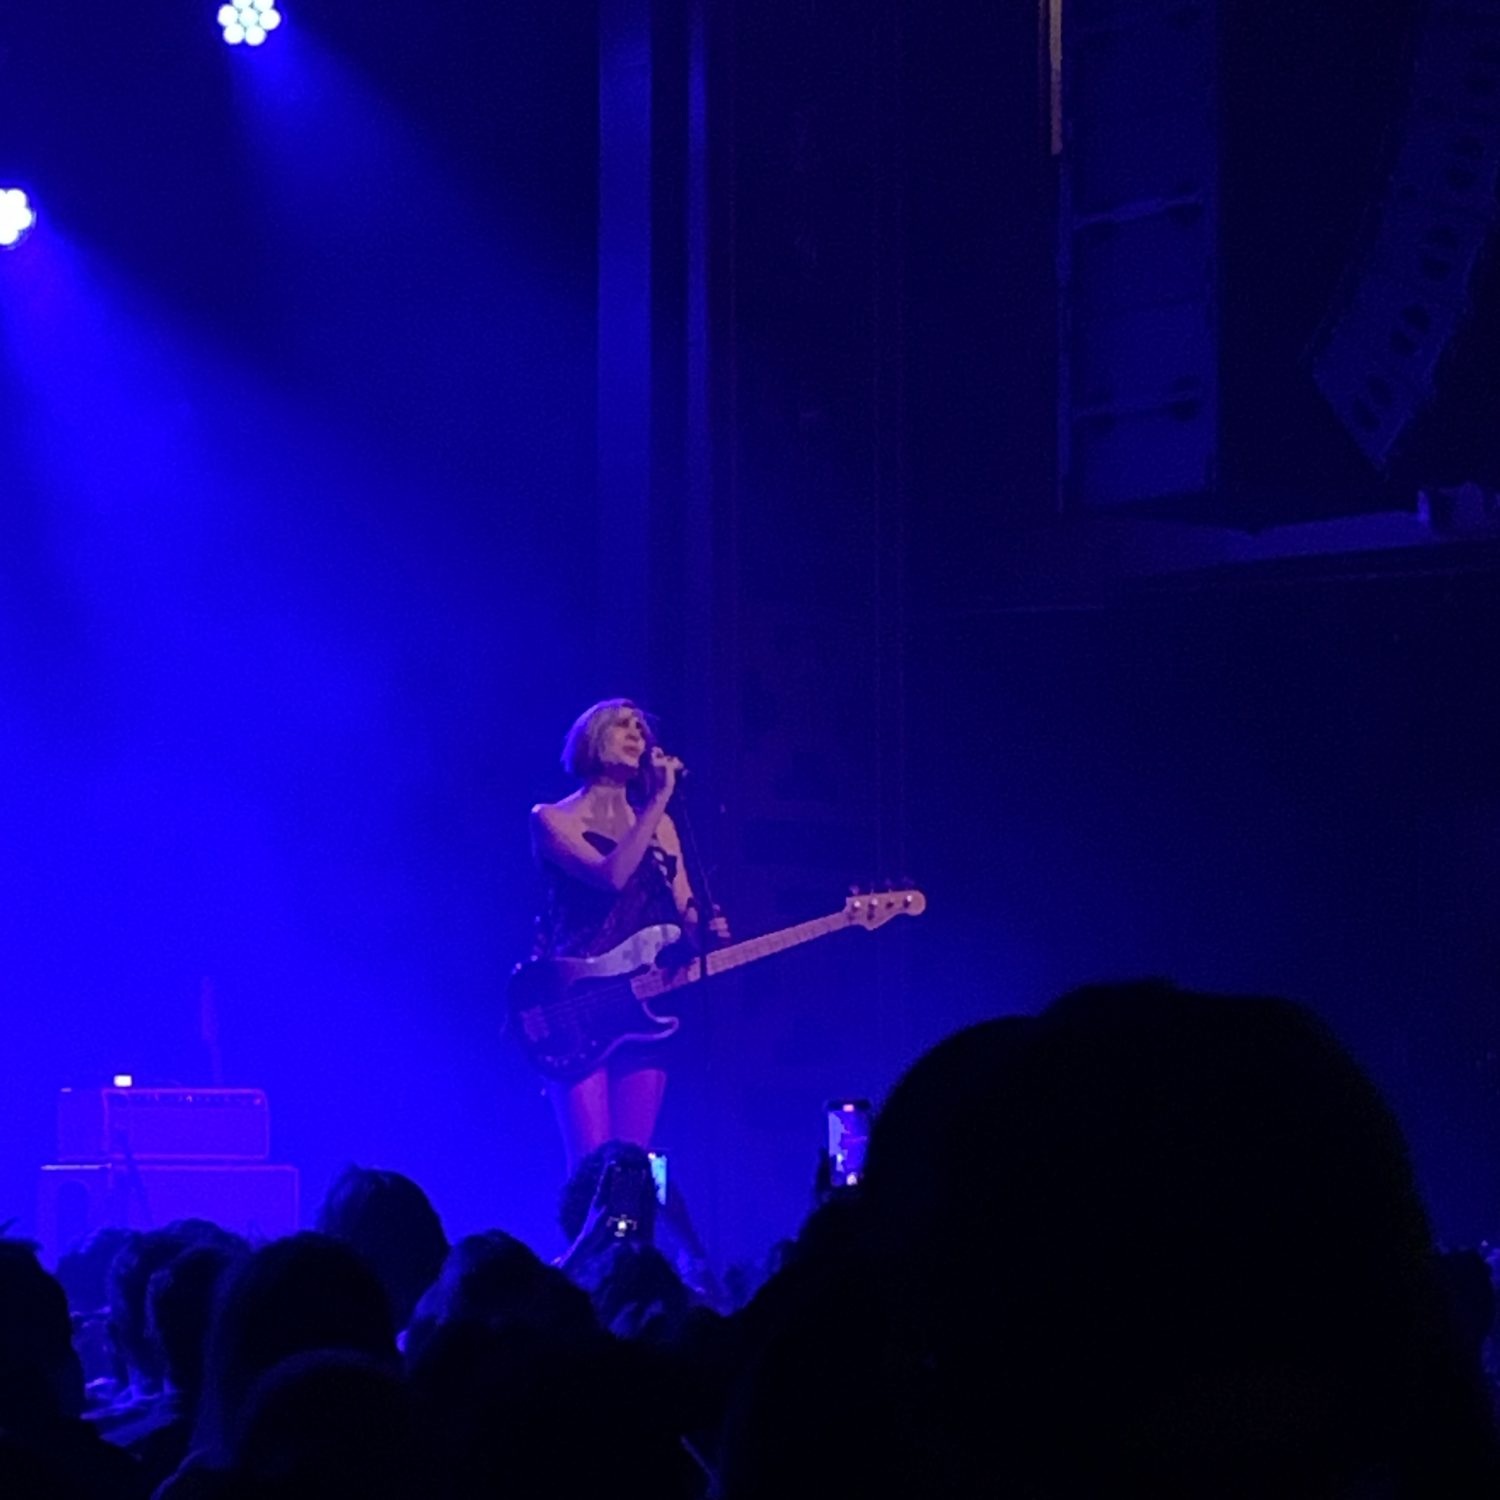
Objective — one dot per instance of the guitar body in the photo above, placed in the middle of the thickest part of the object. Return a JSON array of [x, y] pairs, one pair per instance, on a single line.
[[570, 1014]]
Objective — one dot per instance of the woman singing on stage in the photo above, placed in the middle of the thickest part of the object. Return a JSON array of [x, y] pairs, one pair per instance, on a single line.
[[612, 865]]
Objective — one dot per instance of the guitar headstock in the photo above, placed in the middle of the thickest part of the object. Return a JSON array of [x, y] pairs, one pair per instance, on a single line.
[[874, 909]]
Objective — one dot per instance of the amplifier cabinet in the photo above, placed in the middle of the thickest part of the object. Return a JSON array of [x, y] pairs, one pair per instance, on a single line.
[[260, 1202], [141, 1125]]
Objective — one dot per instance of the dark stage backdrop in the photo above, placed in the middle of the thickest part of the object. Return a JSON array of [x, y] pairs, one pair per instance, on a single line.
[[300, 584], [1287, 786]]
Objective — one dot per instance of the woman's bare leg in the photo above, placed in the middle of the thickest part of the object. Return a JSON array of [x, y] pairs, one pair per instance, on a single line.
[[635, 1102], [583, 1115]]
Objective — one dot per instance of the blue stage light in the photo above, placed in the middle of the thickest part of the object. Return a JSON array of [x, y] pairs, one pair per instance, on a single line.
[[16, 217], [248, 21]]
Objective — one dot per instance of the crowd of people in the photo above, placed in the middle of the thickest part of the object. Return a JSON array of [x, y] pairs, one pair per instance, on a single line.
[[1146, 1242]]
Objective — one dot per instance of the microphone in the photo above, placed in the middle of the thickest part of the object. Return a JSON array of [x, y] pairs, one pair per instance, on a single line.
[[660, 756]]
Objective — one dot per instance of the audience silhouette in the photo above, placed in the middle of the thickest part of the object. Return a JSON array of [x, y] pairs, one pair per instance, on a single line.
[[1146, 1242]]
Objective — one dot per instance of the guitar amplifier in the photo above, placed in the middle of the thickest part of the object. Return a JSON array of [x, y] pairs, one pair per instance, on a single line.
[[139, 1125], [260, 1202]]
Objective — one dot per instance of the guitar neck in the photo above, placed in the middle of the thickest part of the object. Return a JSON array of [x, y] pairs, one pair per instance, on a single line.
[[721, 960]]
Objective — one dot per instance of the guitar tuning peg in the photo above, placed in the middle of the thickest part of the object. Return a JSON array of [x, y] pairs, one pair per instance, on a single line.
[[856, 890], [887, 885]]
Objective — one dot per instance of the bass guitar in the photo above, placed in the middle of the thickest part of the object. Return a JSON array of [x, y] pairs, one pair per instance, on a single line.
[[569, 1014]]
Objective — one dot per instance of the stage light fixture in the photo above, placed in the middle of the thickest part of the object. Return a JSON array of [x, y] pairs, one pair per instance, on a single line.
[[248, 21], [16, 217]]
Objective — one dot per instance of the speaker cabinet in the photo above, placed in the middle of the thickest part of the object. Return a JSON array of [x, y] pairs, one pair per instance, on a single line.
[[259, 1201], [130, 1124]]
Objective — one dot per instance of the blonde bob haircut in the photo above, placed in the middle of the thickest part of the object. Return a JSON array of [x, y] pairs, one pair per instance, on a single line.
[[581, 749]]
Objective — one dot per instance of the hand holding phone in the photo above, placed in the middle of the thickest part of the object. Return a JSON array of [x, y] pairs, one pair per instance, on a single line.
[[629, 1192]]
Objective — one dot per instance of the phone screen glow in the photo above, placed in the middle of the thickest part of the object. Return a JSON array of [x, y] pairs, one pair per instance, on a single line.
[[848, 1136]]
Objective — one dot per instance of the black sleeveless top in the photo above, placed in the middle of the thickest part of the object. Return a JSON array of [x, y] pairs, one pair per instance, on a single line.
[[578, 920]]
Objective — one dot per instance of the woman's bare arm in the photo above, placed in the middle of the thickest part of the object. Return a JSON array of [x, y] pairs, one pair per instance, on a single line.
[[682, 889], [557, 838]]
